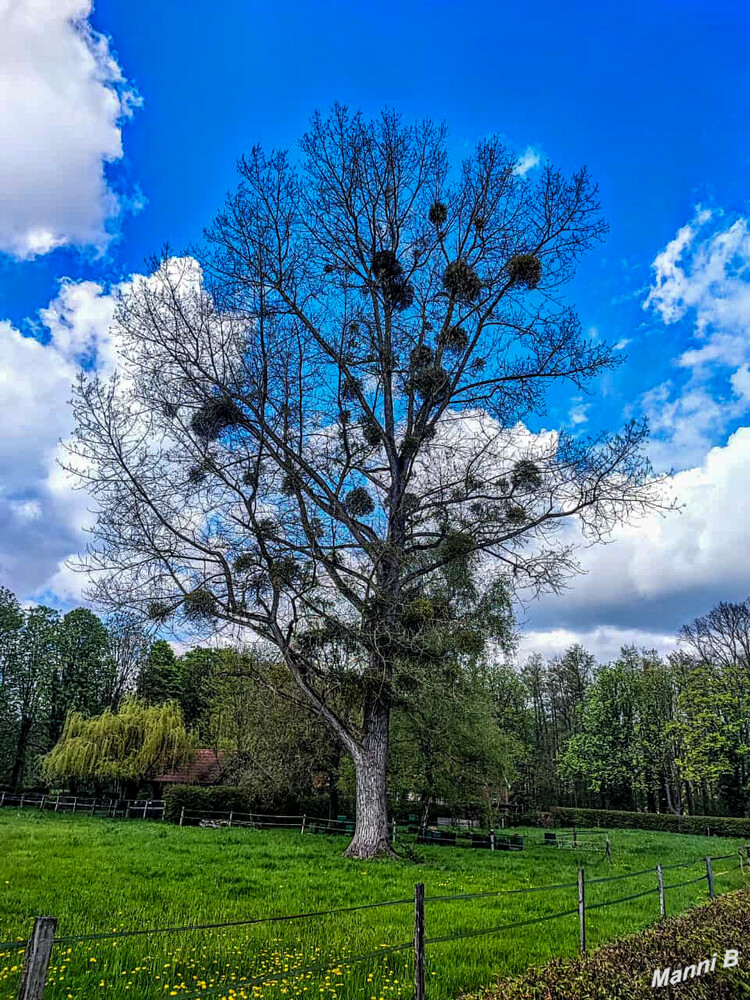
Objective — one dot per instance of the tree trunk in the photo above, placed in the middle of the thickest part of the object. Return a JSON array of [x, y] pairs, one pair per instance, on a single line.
[[370, 766], [19, 762]]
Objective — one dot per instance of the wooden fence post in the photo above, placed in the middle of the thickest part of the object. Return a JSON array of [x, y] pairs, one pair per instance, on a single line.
[[739, 852], [419, 958], [145, 808], [492, 840], [709, 878], [41, 804], [662, 901], [304, 822], [575, 837], [75, 802], [57, 802], [36, 959], [582, 908], [231, 814], [182, 815], [20, 806], [607, 849], [393, 831], [2, 798]]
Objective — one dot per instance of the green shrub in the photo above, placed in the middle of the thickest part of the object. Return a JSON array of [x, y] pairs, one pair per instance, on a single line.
[[204, 798], [610, 819], [230, 798], [623, 970]]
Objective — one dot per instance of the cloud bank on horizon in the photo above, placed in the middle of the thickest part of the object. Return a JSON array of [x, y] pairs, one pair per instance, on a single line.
[[66, 98]]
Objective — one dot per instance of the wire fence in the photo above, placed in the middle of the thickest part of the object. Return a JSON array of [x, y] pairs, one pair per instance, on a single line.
[[435, 836], [112, 807], [39, 948]]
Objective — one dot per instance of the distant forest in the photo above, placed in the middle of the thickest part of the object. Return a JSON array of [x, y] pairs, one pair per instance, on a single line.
[[642, 732]]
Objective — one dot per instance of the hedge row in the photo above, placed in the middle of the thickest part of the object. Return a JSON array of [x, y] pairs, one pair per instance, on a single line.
[[608, 819], [624, 970], [227, 798]]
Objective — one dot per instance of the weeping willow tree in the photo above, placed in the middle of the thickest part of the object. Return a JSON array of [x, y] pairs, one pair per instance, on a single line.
[[127, 747]]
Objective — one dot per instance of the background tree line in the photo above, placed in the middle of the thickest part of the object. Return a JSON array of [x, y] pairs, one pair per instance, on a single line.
[[642, 732]]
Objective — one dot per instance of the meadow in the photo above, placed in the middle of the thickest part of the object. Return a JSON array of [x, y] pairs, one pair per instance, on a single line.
[[99, 876]]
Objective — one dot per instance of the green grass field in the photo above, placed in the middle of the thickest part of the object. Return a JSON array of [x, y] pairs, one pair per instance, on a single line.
[[98, 875]]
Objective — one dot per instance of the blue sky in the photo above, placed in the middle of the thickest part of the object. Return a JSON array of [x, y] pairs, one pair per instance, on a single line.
[[654, 101]]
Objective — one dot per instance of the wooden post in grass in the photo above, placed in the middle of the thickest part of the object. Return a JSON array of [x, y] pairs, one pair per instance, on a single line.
[[709, 878], [575, 837], [739, 852], [41, 804], [419, 958], [36, 959], [2, 798], [20, 806], [231, 814], [607, 849], [182, 815], [93, 807], [393, 831], [662, 901], [582, 908], [492, 840], [57, 802], [304, 823], [145, 808]]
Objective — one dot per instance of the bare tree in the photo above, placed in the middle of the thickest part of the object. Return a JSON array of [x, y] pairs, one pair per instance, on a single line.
[[317, 433], [722, 636], [129, 645]]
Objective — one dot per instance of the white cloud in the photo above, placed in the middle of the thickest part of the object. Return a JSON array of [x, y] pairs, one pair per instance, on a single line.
[[64, 99], [702, 278], [41, 516], [28, 510], [662, 571], [604, 642], [529, 159], [711, 279], [578, 413]]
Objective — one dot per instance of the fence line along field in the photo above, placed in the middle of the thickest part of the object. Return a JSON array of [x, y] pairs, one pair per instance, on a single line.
[[103, 878]]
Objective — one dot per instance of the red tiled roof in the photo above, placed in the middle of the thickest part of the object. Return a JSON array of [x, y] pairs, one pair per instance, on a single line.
[[204, 769]]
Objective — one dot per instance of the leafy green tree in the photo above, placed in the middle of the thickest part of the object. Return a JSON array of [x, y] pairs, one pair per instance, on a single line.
[[127, 748], [84, 674], [11, 624], [29, 678], [159, 677], [621, 750], [710, 732], [447, 744], [274, 743], [197, 670]]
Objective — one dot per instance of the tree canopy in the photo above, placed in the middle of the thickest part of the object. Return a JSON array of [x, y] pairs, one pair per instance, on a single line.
[[316, 431]]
